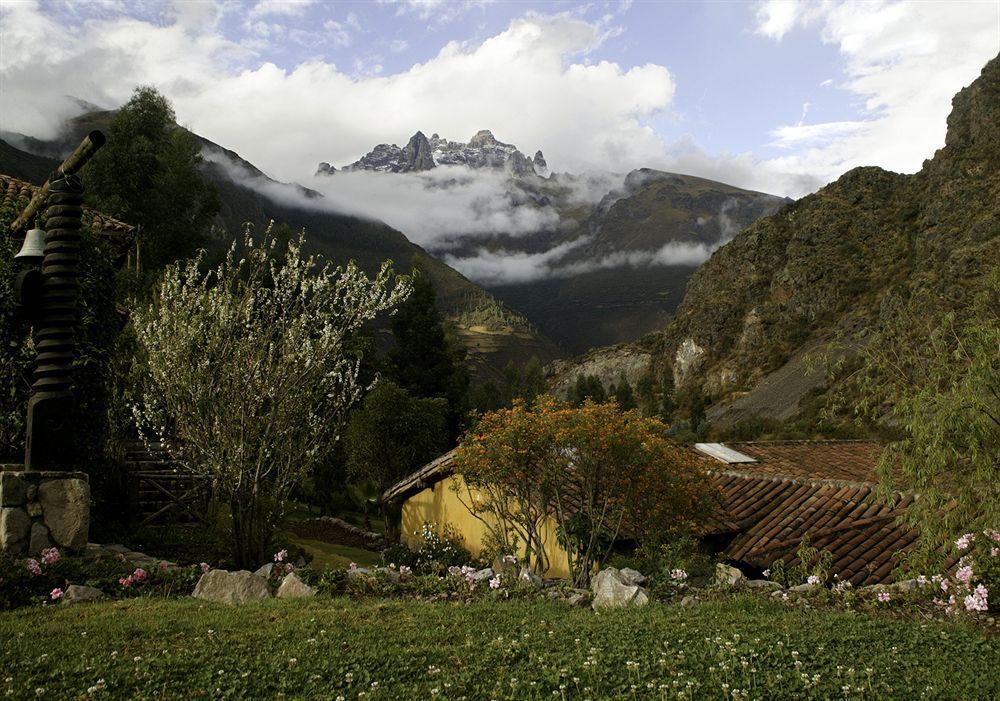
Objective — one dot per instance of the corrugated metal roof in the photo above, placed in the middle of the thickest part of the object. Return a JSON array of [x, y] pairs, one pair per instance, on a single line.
[[723, 453]]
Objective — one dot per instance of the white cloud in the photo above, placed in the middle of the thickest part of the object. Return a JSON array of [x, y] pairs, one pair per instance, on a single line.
[[903, 60], [522, 83], [282, 8]]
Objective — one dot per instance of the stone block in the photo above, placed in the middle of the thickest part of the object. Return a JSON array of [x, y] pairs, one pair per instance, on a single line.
[[231, 587], [13, 489], [292, 587], [39, 538], [15, 527], [79, 594], [66, 510]]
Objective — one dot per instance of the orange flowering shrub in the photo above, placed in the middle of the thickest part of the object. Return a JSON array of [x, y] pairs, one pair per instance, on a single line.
[[600, 473]]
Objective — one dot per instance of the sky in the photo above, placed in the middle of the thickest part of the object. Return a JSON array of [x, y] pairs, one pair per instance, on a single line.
[[781, 96]]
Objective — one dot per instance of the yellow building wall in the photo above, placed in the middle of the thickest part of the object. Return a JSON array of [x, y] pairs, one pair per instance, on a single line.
[[441, 506]]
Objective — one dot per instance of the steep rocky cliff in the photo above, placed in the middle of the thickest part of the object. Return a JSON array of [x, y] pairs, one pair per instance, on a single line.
[[826, 266]]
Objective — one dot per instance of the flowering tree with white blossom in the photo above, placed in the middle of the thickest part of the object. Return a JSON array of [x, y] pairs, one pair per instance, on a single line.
[[246, 372]]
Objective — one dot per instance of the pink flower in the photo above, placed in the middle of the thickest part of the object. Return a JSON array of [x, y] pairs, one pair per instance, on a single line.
[[884, 596], [404, 571], [137, 576], [964, 574], [33, 566], [205, 567], [495, 582], [163, 566], [965, 541], [994, 552], [678, 575], [280, 555], [289, 567], [978, 600], [50, 556], [56, 594], [354, 566], [944, 585]]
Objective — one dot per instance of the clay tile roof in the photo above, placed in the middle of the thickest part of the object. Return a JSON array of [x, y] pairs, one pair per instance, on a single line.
[[14, 194], [821, 489], [852, 460]]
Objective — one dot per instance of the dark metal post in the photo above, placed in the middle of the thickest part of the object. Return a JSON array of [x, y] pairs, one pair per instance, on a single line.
[[49, 439]]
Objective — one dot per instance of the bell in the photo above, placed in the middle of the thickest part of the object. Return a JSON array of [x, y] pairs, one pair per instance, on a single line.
[[33, 249]]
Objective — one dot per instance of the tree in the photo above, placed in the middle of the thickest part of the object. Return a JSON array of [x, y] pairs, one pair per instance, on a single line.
[[393, 433], [598, 472], [668, 403], [623, 394], [425, 361], [935, 378], [587, 387], [245, 373], [147, 174]]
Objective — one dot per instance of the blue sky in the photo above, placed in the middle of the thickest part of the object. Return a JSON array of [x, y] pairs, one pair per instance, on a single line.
[[780, 95]]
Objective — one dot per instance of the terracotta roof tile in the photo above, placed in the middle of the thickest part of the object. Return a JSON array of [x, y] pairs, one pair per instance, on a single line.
[[16, 194], [852, 460]]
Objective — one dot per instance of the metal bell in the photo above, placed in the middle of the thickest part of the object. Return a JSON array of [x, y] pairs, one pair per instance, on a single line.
[[33, 249]]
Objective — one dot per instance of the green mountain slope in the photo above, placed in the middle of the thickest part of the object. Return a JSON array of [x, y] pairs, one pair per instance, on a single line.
[[493, 334], [830, 266], [641, 245]]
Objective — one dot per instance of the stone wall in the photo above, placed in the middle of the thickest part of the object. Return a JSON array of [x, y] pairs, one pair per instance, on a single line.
[[43, 509]]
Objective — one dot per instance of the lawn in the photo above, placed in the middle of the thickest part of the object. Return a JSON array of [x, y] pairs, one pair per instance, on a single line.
[[332, 648], [330, 555]]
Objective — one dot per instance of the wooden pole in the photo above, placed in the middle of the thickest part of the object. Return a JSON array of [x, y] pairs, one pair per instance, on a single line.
[[73, 163]]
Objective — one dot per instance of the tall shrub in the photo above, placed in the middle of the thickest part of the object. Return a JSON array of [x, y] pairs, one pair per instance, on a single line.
[[598, 473], [247, 373]]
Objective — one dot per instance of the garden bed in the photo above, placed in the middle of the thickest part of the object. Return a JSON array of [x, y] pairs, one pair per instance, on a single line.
[[742, 647]]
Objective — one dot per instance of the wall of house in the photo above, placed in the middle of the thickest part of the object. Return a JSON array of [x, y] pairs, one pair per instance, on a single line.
[[441, 505]]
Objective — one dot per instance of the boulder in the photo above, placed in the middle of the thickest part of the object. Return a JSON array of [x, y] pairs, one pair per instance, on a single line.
[[527, 575], [15, 527], [231, 587], [688, 601], [265, 570], [762, 584], [577, 597], [629, 576], [39, 538], [803, 588], [79, 594], [13, 489], [728, 575], [482, 576], [904, 586], [359, 572], [610, 591], [292, 587], [66, 509]]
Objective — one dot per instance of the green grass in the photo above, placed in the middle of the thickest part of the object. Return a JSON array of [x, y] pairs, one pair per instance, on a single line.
[[328, 555], [326, 648]]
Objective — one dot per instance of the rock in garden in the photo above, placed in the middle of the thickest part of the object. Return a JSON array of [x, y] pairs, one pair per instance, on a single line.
[[577, 597], [803, 588], [389, 572], [762, 584], [506, 565], [904, 586], [265, 570], [480, 576], [66, 508], [610, 592], [292, 587], [231, 587], [607, 573], [527, 575], [39, 538], [629, 576], [688, 601], [14, 528], [731, 576], [79, 594], [359, 572]]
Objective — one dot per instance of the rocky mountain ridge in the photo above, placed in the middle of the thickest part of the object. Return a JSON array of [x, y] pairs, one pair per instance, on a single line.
[[483, 151], [824, 273]]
